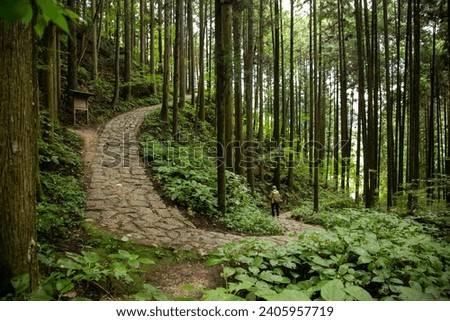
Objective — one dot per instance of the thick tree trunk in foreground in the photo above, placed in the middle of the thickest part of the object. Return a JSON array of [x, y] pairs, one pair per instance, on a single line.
[[18, 156]]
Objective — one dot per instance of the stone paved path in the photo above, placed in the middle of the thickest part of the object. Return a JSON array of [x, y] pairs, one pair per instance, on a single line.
[[122, 199]]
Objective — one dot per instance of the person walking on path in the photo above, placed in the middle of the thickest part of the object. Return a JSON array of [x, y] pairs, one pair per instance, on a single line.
[[275, 199]]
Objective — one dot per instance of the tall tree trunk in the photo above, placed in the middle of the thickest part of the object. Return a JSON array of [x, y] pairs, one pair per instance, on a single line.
[[115, 100], [237, 40], [248, 80], [142, 33], [181, 43], [220, 107], [361, 87], [153, 88], [191, 52], [260, 85], [18, 156], [430, 141], [291, 102], [50, 86], [128, 49], [447, 159], [316, 102], [201, 65], [276, 95], [72, 67], [166, 67], [160, 37], [345, 140], [414, 121], [227, 40], [391, 170], [177, 77], [94, 40]]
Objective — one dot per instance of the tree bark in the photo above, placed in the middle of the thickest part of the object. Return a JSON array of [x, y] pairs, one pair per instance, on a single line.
[[128, 49], [237, 41], [276, 96], [166, 67], [248, 80], [18, 156]]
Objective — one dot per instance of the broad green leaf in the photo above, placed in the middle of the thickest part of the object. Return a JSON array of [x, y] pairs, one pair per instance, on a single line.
[[358, 293], [365, 259], [271, 277], [333, 291], [64, 285], [343, 269], [13, 10], [318, 260], [133, 263], [214, 261], [411, 294], [91, 257], [21, 283], [41, 295], [228, 271], [395, 280], [120, 271], [54, 13], [146, 261], [287, 295]]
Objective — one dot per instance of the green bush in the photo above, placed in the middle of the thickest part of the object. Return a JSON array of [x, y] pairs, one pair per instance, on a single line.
[[367, 256], [61, 211]]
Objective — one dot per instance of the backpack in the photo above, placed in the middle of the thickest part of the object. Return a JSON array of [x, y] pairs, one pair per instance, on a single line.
[[277, 197]]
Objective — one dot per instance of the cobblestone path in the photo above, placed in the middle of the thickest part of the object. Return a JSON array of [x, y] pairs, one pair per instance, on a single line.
[[122, 199]]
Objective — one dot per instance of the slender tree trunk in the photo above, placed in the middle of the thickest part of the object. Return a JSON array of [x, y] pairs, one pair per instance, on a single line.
[[94, 40], [430, 141], [248, 79], [160, 37], [153, 88], [191, 53], [115, 100], [18, 156], [72, 68], [181, 43], [260, 85], [220, 107], [227, 39], [50, 87], [361, 87], [201, 65], [128, 49], [142, 33], [414, 121], [237, 40], [166, 67], [447, 159], [291, 102], [276, 94], [391, 169]]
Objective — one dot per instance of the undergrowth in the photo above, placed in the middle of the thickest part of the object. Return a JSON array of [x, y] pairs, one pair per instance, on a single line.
[[366, 255]]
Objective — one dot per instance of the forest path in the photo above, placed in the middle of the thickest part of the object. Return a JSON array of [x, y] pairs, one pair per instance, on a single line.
[[122, 199]]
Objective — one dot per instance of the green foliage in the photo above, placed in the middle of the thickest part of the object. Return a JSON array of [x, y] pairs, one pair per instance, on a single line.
[[61, 211], [368, 255], [188, 177], [48, 11], [74, 275]]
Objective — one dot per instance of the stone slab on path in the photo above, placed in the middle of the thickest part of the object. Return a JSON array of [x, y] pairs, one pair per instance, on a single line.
[[121, 197]]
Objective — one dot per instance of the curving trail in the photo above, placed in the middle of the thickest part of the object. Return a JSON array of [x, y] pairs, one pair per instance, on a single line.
[[122, 199]]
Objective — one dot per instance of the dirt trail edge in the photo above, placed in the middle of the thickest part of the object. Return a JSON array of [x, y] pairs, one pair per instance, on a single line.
[[122, 199]]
